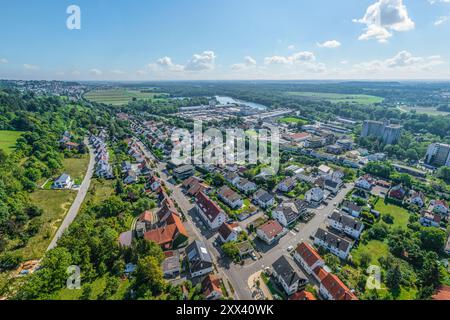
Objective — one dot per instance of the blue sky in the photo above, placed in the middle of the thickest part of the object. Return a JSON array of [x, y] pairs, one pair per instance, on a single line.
[[226, 39]]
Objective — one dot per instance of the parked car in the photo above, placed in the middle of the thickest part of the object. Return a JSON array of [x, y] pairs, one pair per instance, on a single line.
[[296, 229], [290, 248]]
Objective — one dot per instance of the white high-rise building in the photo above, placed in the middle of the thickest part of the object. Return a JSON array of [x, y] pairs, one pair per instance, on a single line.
[[438, 155]]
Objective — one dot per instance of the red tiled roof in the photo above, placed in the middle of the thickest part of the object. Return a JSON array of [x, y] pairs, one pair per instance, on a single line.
[[443, 293], [209, 207], [271, 228], [321, 273], [210, 284], [337, 289], [308, 254], [225, 230], [302, 295], [301, 135], [146, 216], [164, 236]]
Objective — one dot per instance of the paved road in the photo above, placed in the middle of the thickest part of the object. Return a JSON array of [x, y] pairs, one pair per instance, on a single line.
[[73, 211], [194, 228], [238, 275]]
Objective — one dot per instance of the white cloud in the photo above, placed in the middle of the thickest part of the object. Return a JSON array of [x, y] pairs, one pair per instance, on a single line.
[[202, 61], [344, 62], [298, 57], [384, 17], [249, 62], [166, 63], [141, 73], [437, 1], [95, 72], [330, 44], [291, 47], [76, 72], [3, 61], [402, 60], [30, 66], [441, 20], [117, 72]]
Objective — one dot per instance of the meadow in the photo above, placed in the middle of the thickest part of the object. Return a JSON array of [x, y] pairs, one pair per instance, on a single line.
[[339, 97], [118, 97], [8, 140]]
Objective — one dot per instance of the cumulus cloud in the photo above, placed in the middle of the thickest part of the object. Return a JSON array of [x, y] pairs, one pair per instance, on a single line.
[[249, 62], [166, 63], [30, 66], [402, 60], [291, 47], [330, 44], [95, 72], [3, 61], [441, 20], [298, 57], [202, 61], [383, 17], [117, 72]]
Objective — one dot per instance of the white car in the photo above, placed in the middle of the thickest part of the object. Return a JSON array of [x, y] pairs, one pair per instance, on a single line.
[[290, 248]]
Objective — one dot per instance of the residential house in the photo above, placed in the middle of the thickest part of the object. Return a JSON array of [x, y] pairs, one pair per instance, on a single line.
[[245, 185], [289, 212], [211, 288], [270, 231], [417, 198], [287, 184], [302, 295], [351, 208], [332, 288], [430, 219], [315, 196], [183, 172], [145, 222], [439, 206], [232, 177], [194, 185], [228, 232], [171, 235], [365, 182], [230, 197], [264, 199], [346, 224], [285, 274], [334, 243], [333, 185], [171, 266], [131, 177], [154, 183], [397, 192], [199, 259], [63, 182], [211, 213], [308, 258]]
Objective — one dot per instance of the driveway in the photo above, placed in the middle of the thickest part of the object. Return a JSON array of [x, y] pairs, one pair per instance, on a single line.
[[75, 207]]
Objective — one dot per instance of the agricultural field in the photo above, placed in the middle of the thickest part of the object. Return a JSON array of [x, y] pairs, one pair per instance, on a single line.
[[339, 97], [8, 140], [429, 111], [119, 97]]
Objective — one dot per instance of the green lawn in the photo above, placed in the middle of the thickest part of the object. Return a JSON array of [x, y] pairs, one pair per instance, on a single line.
[[339, 97], [375, 248], [97, 288], [401, 215], [293, 120], [8, 140], [118, 97], [55, 204], [76, 167]]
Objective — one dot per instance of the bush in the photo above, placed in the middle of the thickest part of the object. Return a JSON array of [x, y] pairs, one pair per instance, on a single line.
[[10, 261]]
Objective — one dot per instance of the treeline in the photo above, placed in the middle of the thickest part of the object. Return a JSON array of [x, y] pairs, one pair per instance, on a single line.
[[37, 156]]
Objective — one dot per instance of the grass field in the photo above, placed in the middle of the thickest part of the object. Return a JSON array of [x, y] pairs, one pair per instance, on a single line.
[[339, 97], [55, 204], [429, 111], [375, 248], [76, 167], [8, 140], [293, 120], [97, 288], [118, 97], [401, 215]]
